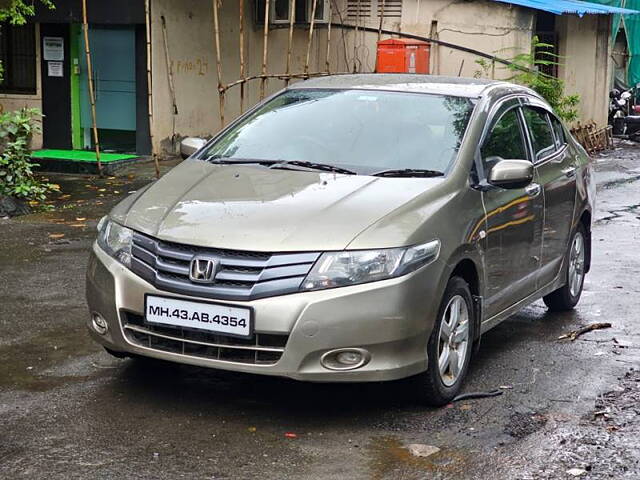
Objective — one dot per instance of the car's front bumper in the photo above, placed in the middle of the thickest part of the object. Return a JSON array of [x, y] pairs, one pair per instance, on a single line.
[[390, 319]]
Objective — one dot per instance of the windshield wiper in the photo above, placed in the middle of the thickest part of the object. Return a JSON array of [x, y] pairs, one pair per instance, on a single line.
[[313, 165], [279, 164], [239, 161], [408, 172]]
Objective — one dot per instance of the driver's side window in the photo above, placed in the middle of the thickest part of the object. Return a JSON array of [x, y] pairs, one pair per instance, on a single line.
[[504, 142]]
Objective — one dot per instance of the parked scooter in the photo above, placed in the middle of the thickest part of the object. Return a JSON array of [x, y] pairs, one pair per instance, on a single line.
[[624, 115]]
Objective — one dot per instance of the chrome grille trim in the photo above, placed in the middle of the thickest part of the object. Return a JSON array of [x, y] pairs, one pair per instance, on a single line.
[[206, 344], [263, 349], [242, 275]]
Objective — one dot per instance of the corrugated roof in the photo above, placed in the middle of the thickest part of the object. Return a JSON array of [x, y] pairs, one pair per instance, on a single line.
[[576, 7]]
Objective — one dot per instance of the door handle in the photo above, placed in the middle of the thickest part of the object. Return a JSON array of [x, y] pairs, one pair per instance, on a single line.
[[569, 172], [533, 190]]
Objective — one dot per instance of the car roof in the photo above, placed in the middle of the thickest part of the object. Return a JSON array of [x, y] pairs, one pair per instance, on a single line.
[[413, 83]]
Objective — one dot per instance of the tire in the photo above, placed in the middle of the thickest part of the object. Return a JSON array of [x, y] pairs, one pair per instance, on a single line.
[[438, 386], [568, 296]]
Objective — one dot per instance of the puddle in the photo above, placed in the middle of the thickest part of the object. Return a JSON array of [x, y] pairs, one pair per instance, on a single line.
[[390, 459], [29, 365]]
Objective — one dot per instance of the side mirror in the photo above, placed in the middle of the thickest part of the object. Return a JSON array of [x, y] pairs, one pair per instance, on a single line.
[[191, 145], [511, 174]]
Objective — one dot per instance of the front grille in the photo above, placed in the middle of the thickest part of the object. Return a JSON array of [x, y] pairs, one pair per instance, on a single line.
[[262, 349], [241, 275]]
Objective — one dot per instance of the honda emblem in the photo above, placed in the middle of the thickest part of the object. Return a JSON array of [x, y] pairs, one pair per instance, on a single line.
[[203, 269]]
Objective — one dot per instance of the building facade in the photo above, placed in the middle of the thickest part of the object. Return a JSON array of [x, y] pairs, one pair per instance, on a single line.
[[45, 63]]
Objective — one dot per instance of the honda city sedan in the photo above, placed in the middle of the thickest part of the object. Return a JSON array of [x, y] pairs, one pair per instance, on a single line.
[[350, 228]]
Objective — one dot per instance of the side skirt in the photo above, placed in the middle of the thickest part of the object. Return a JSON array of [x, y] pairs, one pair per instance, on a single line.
[[507, 312]]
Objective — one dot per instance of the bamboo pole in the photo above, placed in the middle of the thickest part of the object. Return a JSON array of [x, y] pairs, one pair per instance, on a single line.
[[241, 15], [327, 57], [92, 94], [381, 13], [355, 39], [292, 15], [216, 31], [310, 38], [172, 87], [154, 155], [265, 48]]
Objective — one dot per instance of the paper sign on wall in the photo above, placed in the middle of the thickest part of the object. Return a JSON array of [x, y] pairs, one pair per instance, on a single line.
[[55, 69], [53, 48]]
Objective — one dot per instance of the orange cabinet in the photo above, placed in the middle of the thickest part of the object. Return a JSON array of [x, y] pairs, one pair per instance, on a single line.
[[398, 55]]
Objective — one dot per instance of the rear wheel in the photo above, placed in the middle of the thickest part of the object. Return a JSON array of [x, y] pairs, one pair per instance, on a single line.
[[450, 345], [568, 296]]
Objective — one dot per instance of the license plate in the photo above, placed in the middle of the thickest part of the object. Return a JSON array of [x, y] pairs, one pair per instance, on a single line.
[[213, 317]]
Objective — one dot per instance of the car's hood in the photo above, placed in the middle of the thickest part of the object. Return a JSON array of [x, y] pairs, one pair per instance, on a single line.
[[251, 207]]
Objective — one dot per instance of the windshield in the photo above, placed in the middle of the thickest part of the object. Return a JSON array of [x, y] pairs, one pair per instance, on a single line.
[[365, 131]]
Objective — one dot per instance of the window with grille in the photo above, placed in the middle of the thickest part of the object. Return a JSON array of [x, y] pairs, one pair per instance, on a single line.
[[372, 9], [18, 57], [280, 11]]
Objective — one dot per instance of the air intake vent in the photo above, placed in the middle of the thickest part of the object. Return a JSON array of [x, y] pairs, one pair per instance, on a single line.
[[371, 9]]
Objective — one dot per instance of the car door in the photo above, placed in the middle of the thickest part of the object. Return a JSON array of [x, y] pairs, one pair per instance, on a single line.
[[513, 217], [557, 175]]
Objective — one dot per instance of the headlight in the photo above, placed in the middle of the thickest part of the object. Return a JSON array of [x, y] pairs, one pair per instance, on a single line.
[[339, 269], [115, 240]]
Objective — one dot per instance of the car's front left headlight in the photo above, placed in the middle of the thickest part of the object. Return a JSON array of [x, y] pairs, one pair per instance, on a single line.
[[116, 240], [339, 269]]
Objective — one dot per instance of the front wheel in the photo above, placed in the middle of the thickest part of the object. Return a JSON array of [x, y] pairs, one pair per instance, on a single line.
[[450, 346], [567, 297]]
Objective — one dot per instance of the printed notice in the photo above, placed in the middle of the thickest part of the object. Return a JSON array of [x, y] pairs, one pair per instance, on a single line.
[[53, 48], [55, 69]]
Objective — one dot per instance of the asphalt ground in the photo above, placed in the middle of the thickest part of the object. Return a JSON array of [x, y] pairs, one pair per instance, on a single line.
[[69, 410]]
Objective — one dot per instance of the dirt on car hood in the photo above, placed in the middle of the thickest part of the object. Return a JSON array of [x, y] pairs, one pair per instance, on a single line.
[[252, 207]]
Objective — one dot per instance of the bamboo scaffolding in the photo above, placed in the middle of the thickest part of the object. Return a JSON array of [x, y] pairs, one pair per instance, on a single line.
[[92, 94], [216, 32], [292, 15], [154, 155], [241, 29], [310, 38], [265, 48]]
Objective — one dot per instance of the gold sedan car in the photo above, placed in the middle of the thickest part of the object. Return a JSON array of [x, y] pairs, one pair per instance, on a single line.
[[350, 228]]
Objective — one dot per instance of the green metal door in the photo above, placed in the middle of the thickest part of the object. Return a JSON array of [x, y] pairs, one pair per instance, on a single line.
[[114, 74]]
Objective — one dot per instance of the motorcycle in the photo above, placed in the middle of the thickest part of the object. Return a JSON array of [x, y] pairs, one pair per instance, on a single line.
[[624, 115]]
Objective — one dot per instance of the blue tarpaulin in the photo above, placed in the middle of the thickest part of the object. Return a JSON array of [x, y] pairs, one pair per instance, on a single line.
[[576, 7]]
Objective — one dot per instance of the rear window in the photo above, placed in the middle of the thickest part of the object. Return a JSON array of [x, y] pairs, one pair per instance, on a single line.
[[363, 130]]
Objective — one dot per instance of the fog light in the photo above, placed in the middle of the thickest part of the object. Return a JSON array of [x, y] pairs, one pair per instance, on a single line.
[[345, 359], [99, 324], [349, 358]]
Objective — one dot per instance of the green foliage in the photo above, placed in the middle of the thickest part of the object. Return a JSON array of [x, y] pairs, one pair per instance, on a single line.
[[17, 11], [525, 70], [16, 169]]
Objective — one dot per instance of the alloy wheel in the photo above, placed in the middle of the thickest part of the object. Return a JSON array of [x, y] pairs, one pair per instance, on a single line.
[[576, 264], [453, 341]]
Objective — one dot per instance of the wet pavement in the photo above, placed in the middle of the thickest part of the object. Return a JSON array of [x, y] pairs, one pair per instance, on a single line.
[[69, 410]]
